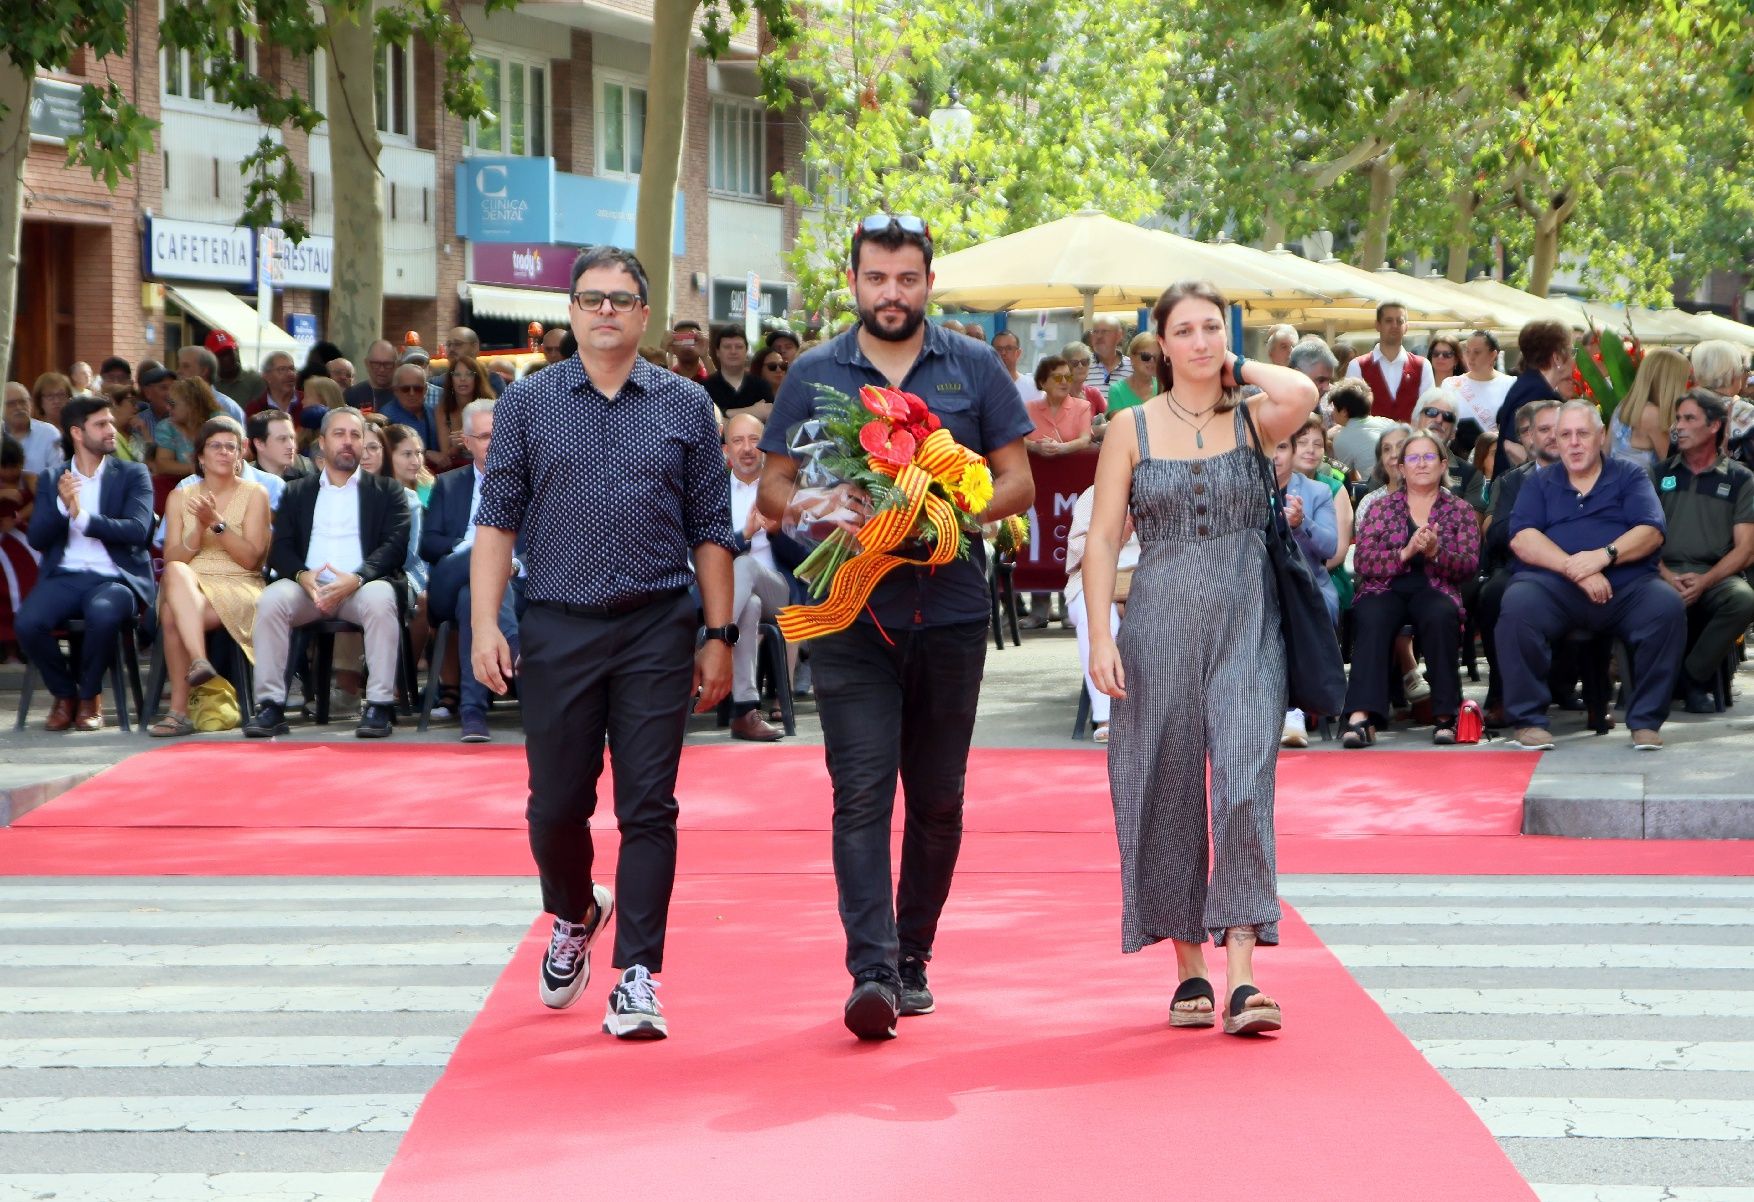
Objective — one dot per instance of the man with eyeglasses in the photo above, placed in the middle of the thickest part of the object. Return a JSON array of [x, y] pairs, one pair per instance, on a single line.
[[407, 404], [610, 471], [377, 389], [897, 690]]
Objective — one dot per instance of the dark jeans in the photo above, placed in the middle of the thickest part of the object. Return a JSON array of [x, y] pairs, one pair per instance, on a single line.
[[448, 600], [628, 679], [1540, 609], [1714, 623], [905, 707], [103, 602], [1378, 618], [1486, 613]]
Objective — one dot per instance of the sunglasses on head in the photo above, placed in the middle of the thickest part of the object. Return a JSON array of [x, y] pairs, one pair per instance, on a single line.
[[882, 223]]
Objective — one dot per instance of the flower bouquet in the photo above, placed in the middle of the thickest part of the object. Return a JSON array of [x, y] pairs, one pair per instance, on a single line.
[[874, 474], [1605, 370]]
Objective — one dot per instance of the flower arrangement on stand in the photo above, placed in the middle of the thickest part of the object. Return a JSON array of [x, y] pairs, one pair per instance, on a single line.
[[1604, 373], [882, 472]]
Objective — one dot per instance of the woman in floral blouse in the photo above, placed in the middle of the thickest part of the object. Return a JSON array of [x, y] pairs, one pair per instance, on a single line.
[[1414, 549]]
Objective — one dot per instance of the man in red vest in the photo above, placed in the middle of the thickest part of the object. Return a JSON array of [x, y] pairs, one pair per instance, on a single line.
[[1397, 377]]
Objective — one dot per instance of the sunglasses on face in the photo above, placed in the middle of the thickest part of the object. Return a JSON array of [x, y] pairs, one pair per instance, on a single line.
[[779, 365], [1146, 357], [621, 301], [1439, 415], [1061, 377], [1420, 460], [1079, 362], [409, 388], [1443, 354]]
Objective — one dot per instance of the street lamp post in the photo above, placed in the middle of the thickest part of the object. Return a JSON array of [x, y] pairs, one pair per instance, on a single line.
[[951, 123]]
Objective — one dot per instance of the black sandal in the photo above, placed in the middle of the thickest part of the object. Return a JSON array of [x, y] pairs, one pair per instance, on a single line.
[[1192, 990], [1358, 734], [1445, 733], [1243, 1019]]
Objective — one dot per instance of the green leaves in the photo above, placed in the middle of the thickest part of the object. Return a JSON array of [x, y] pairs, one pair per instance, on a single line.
[[115, 136]]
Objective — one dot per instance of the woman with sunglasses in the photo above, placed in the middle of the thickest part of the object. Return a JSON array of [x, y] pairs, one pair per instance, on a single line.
[[465, 381], [1138, 388], [774, 365], [1416, 547], [1445, 353]]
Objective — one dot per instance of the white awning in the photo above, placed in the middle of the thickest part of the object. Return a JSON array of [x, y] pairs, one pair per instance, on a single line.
[[518, 304], [223, 310]]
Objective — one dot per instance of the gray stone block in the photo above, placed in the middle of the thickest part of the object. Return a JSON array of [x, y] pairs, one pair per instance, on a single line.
[[1699, 817]]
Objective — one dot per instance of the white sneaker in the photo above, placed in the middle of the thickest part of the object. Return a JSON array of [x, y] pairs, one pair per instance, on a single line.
[[1415, 686], [1296, 732], [633, 1007], [566, 969]]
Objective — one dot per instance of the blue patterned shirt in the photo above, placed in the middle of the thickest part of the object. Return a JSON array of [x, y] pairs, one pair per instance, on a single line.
[[609, 494]]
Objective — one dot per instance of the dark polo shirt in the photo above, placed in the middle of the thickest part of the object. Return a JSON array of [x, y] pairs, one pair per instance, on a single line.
[[963, 382], [1703, 511], [1621, 498]]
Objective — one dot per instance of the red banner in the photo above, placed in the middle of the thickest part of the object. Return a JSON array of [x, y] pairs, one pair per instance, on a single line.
[[1041, 567]]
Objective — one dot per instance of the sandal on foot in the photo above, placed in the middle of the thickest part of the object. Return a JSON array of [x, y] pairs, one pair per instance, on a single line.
[[171, 726], [200, 672], [1244, 1019], [1192, 990], [1445, 733], [1358, 734], [1100, 734]]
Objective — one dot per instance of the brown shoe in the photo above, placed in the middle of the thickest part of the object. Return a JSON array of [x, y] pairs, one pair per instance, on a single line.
[[90, 715], [1646, 740], [60, 715], [1533, 738], [755, 728]]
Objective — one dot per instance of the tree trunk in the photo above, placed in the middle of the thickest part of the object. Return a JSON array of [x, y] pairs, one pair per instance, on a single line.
[[14, 146], [356, 293], [1373, 251], [1546, 256], [666, 117], [1467, 203], [1273, 230]]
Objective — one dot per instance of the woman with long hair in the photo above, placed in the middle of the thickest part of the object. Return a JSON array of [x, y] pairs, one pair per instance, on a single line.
[[174, 437], [1198, 670], [465, 381], [1445, 352], [1639, 430]]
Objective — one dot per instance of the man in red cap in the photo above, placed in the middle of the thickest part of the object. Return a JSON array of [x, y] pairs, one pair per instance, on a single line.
[[234, 381]]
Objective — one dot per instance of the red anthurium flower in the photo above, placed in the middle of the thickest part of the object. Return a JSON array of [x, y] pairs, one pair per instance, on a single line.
[[884, 402], [916, 409], [887, 444]]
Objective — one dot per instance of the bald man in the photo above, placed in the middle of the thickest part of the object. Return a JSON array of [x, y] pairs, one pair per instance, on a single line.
[[761, 588]]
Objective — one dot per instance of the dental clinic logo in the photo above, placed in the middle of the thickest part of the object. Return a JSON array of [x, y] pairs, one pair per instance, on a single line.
[[527, 264], [496, 205]]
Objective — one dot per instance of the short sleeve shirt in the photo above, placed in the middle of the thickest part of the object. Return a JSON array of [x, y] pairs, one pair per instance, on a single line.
[[1703, 511], [1621, 498], [965, 384]]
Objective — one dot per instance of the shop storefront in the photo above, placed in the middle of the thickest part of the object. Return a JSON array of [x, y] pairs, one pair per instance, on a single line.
[[204, 278]]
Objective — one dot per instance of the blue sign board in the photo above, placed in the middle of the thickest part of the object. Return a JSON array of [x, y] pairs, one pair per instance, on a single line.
[[302, 327], [505, 198]]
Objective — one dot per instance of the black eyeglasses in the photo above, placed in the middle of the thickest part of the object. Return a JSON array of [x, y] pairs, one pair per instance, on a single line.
[[620, 300], [1146, 357], [1442, 415]]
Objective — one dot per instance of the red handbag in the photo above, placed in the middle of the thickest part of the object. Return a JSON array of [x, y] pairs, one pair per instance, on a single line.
[[1470, 726]]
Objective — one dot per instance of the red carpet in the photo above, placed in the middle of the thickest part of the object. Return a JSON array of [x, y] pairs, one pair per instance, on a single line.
[[1048, 1072]]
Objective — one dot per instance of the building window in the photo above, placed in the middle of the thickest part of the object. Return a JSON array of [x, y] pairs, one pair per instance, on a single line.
[[395, 92], [739, 150], [516, 121], [621, 125], [180, 80]]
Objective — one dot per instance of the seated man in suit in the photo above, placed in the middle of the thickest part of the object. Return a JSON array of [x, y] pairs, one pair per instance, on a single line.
[[92, 525], [340, 540], [446, 539]]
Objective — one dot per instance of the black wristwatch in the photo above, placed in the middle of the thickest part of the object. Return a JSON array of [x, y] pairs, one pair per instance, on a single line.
[[724, 634]]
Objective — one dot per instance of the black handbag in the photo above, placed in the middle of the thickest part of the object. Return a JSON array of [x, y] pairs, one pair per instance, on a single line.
[[1315, 678]]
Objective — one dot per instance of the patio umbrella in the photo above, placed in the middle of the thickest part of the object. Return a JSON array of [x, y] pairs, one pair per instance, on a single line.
[[1519, 307], [1714, 325]]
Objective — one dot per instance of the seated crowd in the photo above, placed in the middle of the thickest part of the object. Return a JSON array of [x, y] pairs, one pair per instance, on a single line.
[[1439, 500], [151, 500]]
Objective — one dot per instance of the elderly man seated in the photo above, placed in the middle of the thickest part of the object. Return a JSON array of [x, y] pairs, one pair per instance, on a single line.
[[1708, 501], [761, 589], [1587, 532]]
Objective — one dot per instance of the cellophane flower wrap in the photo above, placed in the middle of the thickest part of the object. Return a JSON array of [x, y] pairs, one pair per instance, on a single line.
[[874, 474]]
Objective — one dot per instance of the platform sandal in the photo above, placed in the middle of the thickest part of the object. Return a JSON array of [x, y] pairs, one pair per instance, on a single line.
[[1243, 1019], [1358, 734], [1192, 990]]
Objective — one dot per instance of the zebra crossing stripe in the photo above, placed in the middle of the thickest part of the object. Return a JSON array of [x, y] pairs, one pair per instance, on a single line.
[[1639, 1055], [253, 955], [1694, 1003], [191, 1187], [235, 999], [256, 1051], [1717, 957], [331, 1113], [1523, 916], [1615, 1118], [117, 921]]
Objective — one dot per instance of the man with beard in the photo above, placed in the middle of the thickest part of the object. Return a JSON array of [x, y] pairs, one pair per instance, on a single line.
[[92, 525], [897, 690], [340, 540]]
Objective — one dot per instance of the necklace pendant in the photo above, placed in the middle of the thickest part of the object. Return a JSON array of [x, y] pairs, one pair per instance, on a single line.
[[1199, 440]]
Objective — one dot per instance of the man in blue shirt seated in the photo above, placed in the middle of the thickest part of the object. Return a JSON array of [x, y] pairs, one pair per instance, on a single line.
[[1586, 532]]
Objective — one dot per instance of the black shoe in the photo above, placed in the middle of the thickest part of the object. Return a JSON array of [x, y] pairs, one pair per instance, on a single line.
[[915, 997], [1699, 700], [872, 1010], [375, 721], [268, 720], [566, 969]]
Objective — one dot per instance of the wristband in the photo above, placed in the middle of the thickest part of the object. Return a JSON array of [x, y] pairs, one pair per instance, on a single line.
[[1236, 369]]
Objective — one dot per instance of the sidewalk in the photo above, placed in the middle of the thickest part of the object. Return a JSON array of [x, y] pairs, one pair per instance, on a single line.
[[1697, 787]]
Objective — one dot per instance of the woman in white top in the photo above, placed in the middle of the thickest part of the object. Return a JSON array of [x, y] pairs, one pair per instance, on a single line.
[[1075, 610], [1479, 392]]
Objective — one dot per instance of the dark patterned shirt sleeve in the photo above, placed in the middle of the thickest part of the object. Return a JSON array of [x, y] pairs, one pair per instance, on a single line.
[[505, 486], [707, 505]]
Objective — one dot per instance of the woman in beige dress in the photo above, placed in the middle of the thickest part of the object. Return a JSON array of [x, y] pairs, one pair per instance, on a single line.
[[216, 536]]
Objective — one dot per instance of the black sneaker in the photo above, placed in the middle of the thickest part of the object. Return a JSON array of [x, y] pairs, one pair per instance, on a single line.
[[567, 967], [375, 721], [633, 1007], [871, 1010], [1699, 699], [268, 720], [915, 997]]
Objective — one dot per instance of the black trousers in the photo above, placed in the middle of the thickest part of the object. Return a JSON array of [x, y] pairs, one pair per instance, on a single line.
[[905, 707], [627, 680], [1486, 611], [1714, 623], [1378, 618]]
